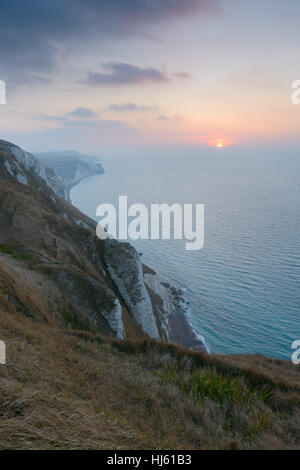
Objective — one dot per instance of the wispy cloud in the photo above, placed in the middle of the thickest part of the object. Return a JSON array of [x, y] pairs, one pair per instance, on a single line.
[[168, 119], [162, 118], [127, 74], [81, 123], [181, 75], [47, 117], [128, 107], [79, 113], [82, 113], [87, 118], [103, 124]]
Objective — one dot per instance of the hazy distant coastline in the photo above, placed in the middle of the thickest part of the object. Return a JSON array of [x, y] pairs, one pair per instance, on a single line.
[[72, 166]]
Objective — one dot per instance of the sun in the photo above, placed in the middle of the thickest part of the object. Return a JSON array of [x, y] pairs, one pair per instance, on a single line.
[[220, 142]]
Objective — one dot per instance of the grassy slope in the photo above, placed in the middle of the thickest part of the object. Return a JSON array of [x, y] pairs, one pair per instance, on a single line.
[[64, 389]]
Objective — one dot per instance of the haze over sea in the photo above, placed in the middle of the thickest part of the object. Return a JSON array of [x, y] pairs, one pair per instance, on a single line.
[[244, 285]]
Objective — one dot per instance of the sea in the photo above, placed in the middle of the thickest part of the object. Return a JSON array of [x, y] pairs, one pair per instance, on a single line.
[[243, 287]]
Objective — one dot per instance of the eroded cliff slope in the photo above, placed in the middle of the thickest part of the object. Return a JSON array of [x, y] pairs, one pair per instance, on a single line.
[[54, 268]]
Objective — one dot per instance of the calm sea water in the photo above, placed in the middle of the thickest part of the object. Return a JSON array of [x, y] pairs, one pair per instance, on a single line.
[[244, 285]]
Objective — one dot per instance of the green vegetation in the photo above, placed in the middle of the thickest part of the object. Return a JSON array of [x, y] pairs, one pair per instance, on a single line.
[[70, 389], [226, 391], [71, 320], [5, 249], [206, 383]]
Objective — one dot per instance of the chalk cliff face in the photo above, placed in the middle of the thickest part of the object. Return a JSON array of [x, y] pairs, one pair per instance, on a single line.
[[54, 269], [60, 171], [72, 167], [26, 161], [126, 271]]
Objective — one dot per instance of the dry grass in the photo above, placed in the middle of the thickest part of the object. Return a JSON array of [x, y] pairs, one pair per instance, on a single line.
[[69, 389]]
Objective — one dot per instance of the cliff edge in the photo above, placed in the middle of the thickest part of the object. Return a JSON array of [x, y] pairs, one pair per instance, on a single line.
[[71, 166], [55, 269]]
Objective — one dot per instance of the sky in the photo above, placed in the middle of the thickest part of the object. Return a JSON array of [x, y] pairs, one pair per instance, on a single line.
[[97, 75]]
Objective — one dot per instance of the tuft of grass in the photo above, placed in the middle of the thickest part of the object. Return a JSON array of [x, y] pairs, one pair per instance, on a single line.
[[262, 422], [20, 256], [5, 249], [71, 320], [208, 383]]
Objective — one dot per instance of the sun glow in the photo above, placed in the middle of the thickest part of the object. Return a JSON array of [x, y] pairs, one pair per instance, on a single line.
[[221, 143], [213, 141]]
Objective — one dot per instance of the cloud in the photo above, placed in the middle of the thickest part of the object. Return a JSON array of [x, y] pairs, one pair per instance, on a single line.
[[181, 75], [126, 74], [34, 33], [88, 119], [80, 123], [103, 124], [128, 107], [47, 117], [163, 118], [166, 118], [82, 113]]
